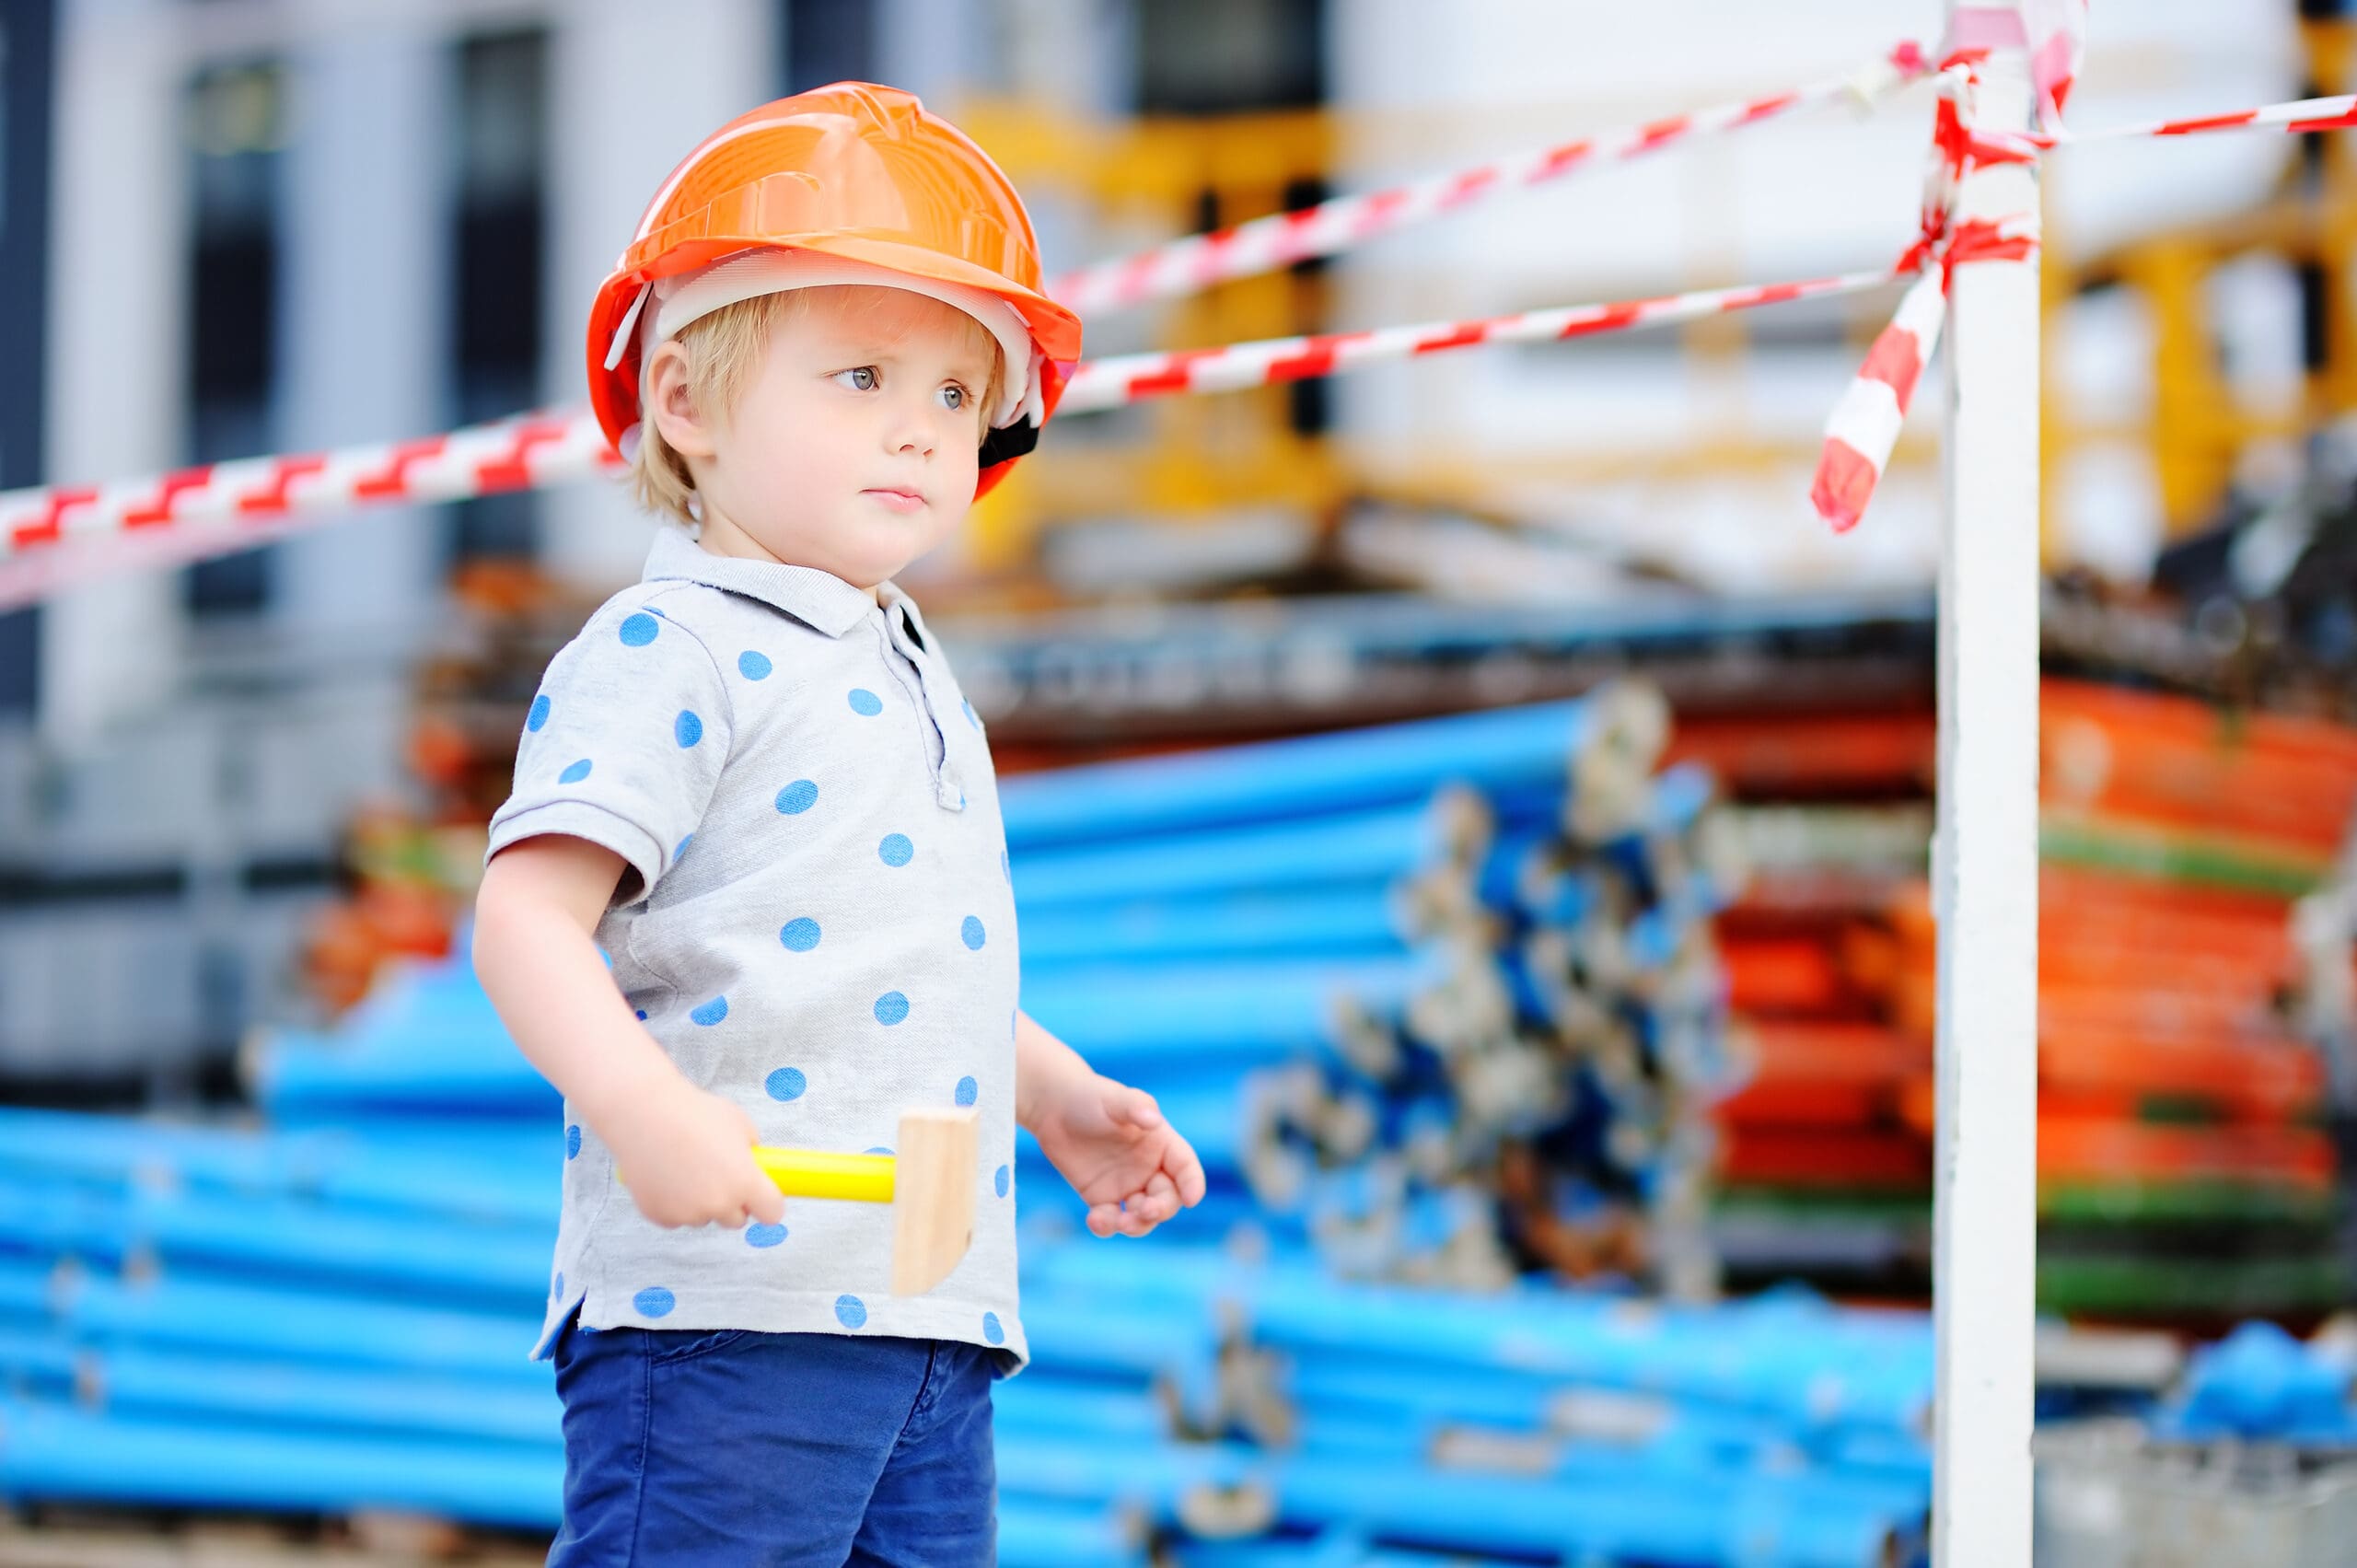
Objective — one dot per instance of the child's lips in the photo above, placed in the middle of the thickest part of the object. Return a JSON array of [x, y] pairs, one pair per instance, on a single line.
[[897, 500]]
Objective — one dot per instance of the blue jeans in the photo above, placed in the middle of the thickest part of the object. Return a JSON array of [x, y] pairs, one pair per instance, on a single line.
[[741, 1448]]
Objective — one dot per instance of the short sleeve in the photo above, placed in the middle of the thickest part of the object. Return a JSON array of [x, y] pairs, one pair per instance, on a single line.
[[623, 746]]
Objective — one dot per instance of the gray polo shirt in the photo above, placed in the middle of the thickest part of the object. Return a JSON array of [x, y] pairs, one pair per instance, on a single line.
[[817, 922]]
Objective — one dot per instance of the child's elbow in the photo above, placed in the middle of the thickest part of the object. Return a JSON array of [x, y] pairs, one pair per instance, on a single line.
[[501, 905], [486, 926]]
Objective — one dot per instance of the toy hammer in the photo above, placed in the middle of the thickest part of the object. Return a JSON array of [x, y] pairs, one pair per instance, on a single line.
[[930, 1184]]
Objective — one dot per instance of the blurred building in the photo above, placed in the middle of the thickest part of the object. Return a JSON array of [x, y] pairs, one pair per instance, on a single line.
[[237, 226]]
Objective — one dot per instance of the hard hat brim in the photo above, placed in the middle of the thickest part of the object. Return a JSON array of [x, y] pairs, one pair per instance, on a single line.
[[614, 391]]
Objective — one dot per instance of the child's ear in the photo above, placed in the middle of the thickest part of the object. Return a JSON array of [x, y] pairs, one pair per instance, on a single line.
[[672, 405]]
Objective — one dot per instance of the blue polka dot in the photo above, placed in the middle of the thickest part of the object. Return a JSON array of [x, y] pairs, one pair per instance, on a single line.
[[800, 934], [1001, 1180], [641, 1014], [967, 1090], [972, 932], [892, 1007], [638, 631], [972, 717], [573, 1142], [896, 850], [686, 729], [851, 1312], [682, 849], [878, 1149], [558, 1291], [991, 1330], [654, 1302], [652, 610], [764, 1234], [574, 774], [711, 1012], [786, 1083], [540, 714], [753, 666], [865, 702], [798, 797]]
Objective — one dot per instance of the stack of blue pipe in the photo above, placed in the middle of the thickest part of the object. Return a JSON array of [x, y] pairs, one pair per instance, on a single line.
[[321, 1321], [329, 1312]]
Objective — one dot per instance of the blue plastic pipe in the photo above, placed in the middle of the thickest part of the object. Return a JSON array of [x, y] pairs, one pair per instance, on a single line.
[[1502, 748]]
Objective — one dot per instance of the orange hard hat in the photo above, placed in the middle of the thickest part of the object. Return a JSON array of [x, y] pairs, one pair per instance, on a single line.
[[861, 174]]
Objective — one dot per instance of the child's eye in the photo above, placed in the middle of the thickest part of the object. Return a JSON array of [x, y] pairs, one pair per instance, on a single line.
[[954, 397], [860, 380]]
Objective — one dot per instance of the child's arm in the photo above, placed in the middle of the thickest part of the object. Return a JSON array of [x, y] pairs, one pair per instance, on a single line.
[[1109, 1140], [687, 1153]]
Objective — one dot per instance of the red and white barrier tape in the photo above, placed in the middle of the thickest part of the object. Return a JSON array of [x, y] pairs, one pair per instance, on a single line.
[[226, 507], [1262, 245], [2058, 44], [1864, 425], [218, 508], [2297, 119], [1863, 428], [2302, 117], [2053, 33], [1110, 383]]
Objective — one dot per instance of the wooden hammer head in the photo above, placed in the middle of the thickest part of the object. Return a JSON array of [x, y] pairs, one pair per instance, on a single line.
[[932, 1196]]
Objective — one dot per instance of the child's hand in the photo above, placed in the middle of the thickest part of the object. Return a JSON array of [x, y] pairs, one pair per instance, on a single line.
[[1110, 1141], [686, 1155]]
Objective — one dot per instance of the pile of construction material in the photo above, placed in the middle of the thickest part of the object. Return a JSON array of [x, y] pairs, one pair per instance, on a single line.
[[331, 1321], [1443, 992], [1439, 1003], [1478, 947], [2185, 1176], [1482, 929]]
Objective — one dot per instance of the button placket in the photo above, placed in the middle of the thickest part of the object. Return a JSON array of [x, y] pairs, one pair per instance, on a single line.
[[949, 786]]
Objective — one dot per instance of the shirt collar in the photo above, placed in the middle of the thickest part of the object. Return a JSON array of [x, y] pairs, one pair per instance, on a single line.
[[819, 600], [892, 594]]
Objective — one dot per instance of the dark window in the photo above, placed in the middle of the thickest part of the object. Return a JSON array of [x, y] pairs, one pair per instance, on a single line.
[[235, 118], [826, 41], [1221, 56], [498, 238], [27, 44], [1203, 57]]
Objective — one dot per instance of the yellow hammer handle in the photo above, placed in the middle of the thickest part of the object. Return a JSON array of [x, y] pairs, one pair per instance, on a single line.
[[812, 1173]]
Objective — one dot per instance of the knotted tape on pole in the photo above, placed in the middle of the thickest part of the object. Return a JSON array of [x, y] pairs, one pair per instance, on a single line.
[[1863, 428]]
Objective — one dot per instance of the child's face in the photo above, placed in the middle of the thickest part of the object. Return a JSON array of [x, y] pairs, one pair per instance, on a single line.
[[853, 449]]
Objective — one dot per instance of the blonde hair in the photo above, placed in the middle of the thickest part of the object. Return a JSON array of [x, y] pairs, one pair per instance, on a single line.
[[723, 351]]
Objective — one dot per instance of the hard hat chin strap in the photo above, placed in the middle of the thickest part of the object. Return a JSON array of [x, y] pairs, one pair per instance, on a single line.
[[1008, 442]]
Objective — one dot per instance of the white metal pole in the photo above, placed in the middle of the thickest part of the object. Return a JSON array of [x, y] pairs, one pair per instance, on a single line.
[[1985, 860]]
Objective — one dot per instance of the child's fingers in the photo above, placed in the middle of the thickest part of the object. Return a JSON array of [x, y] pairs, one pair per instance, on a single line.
[[1104, 1219], [761, 1196], [1135, 1108], [1186, 1169], [1160, 1200]]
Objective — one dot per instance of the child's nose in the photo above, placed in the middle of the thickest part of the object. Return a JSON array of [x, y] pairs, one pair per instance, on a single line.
[[911, 432]]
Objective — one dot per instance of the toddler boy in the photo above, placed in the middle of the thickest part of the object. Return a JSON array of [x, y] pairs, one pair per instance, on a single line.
[[752, 781]]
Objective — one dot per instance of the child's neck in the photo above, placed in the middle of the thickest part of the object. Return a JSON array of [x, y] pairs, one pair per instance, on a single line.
[[720, 537]]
